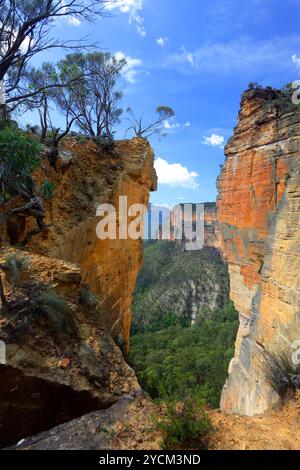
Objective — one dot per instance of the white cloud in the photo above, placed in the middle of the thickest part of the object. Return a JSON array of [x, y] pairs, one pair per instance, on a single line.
[[214, 140], [241, 55], [296, 60], [174, 174], [161, 41], [73, 21], [132, 8], [169, 126], [131, 70], [186, 56], [26, 44]]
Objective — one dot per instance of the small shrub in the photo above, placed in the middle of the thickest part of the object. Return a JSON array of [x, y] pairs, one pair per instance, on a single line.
[[186, 424], [282, 374], [106, 142], [47, 189], [19, 157], [55, 309], [14, 266]]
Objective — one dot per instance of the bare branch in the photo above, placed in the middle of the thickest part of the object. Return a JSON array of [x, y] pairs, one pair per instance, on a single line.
[[25, 28]]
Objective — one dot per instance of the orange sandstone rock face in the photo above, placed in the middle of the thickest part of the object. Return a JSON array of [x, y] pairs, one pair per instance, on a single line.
[[87, 177], [258, 214]]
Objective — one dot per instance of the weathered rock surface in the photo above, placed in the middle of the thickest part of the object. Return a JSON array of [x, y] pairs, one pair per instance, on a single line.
[[259, 218], [127, 425], [50, 378], [109, 266]]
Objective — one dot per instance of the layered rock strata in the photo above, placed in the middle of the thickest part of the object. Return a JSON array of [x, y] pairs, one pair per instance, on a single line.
[[259, 221]]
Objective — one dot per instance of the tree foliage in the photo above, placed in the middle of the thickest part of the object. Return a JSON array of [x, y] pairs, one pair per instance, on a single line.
[[19, 157], [179, 362], [186, 424], [174, 285], [25, 30], [94, 100], [86, 94]]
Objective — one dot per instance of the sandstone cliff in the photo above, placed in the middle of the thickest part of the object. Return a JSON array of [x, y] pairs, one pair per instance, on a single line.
[[258, 213], [49, 377], [86, 177]]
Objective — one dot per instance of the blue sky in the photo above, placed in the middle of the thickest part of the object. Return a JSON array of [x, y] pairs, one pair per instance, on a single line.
[[197, 57]]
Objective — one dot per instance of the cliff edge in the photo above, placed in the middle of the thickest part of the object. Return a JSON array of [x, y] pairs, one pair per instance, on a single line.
[[75, 282], [258, 213]]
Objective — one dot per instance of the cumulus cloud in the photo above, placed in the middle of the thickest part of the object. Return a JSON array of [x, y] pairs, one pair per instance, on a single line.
[[175, 175], [131, 70], [131, 7], [296, 60], [214, 140], [161, 41], [169, 125]]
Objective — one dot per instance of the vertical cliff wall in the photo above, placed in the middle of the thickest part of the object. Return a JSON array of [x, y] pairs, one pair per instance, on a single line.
[[258, 213], [53, 375], [88, 175]]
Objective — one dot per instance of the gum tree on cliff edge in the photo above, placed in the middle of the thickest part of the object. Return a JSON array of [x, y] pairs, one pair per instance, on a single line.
[[25, 30], [86, 94], [94, 100]]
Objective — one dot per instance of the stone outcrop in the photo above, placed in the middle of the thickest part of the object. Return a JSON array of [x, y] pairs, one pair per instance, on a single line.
[[49, 377], [259, 220], [127, 425], [87, 176]]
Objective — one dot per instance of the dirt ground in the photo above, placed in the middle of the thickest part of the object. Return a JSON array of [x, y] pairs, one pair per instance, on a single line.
[[278, 429]]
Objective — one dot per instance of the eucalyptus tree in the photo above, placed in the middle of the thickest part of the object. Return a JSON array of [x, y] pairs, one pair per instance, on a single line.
[[93, 100], [26, 28]]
